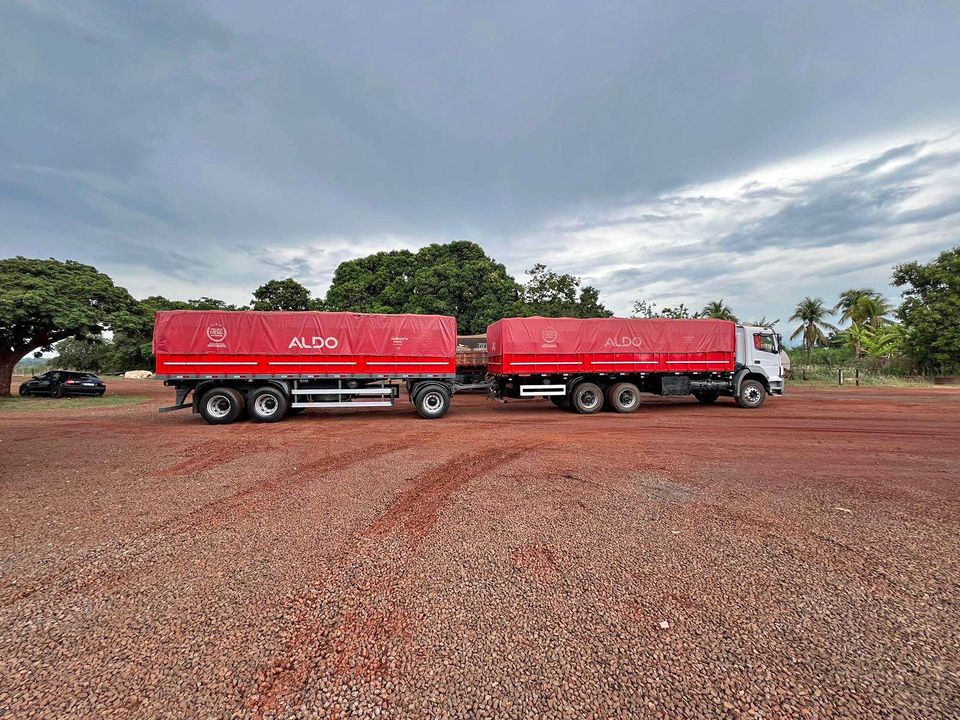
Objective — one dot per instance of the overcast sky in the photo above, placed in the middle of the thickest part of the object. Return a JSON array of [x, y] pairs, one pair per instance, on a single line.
[[668, 151]]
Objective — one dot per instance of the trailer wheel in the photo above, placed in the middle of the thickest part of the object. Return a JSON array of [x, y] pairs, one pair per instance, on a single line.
[[623, 397], [266, 404], [751, 395], [587, 398], [221, 405], [432, 402], [707, 398], [561, 401]]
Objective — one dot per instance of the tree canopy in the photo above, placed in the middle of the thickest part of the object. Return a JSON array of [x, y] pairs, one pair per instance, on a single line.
[[45, 301], [930, 312], [456, 279], [812, 314], [282, 295], [552, 294], [718, 310]]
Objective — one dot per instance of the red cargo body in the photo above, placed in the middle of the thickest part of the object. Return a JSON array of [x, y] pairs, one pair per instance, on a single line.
[[198, 343], [537, 345]]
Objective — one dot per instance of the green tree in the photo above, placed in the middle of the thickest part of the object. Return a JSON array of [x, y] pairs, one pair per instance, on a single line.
[[863, 308], [45, 301], [282, 295], [91, 354], [552, 294], [930, 312], [456, 278], [644, 309], [812, 315], [718, 310]]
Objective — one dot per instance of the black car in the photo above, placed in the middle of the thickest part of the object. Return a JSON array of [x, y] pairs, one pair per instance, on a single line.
[[63, 383]]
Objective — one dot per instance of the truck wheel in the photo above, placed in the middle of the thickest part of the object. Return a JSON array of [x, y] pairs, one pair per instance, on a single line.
[[707, 398], [587, 398], [266, 404], [752, 394], [221, 405], [623, 397], [432, 402], [561, 401]]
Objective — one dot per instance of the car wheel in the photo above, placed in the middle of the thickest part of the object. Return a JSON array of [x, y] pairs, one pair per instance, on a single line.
[[266, 404], [707, 398], [624, 397], [59, 392], [221, 405], [587, 398], [23, 391], [751, 395]]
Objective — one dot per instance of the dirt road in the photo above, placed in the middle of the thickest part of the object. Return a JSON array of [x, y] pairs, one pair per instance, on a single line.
[[505, 561]]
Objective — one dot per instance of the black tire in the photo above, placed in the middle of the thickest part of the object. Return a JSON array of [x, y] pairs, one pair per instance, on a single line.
[[623, 397], [707, 398], [221, 406], [432, 402], [24, 392], [751, 395], [587, 398], [561, 401], [58, 392], [267, 405]]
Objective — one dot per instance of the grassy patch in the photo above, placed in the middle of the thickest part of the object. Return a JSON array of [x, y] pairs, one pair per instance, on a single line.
[[827, 377], [41, 404]]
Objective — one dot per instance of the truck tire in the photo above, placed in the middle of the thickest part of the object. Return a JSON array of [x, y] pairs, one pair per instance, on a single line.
[[587, 398], [752, 394], [432, 402], [221, 405], [624, 397], [561, 401], [267, 404], [707, 398]]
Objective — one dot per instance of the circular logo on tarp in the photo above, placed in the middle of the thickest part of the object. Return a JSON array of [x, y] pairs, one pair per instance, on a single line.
[[549, 334], [216, 332]]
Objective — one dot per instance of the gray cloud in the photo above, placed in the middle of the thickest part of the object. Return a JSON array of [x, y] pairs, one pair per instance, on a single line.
[[204, 148]]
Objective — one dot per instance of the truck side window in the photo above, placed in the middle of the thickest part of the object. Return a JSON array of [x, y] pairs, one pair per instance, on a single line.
[[764, 342]]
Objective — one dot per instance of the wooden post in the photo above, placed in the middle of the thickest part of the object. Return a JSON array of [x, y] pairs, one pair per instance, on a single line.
[[858, 377], [840, 376]]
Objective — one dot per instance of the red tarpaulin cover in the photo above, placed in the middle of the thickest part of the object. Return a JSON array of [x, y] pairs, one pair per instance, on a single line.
[[285, 342], [537, 344]]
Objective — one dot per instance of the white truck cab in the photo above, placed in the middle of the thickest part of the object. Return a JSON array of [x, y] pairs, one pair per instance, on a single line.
[[759, 358]]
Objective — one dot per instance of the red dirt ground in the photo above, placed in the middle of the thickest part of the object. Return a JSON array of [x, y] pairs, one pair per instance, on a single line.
[[505, 561]]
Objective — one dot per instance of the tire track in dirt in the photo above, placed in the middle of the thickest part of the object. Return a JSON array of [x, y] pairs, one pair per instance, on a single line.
[[114, 562], [365, 630]]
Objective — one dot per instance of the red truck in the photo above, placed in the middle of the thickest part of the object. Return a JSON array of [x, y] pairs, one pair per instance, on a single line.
[[271, 364]]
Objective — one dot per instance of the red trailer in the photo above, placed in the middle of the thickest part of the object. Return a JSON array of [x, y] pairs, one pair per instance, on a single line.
[[585, 363], [272, 363]]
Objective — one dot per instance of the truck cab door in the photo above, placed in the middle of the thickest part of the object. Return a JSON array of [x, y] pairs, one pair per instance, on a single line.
[[763, 353]]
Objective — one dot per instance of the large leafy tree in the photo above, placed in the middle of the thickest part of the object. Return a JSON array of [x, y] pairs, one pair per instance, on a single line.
[[456, 278], [45, 301], [552, 294], [92, 354], [282, 295], [930, 312], [717, 310], [812, 315]]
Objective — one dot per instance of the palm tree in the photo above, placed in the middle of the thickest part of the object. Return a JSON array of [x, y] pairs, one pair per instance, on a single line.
[[717, 310], [813, 323], [863, 306]]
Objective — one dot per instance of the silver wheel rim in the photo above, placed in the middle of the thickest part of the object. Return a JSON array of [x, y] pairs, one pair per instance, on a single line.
[[752, 395], [432, 402], [266, 405], [627, 399], [589, 399], [218, 406]]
